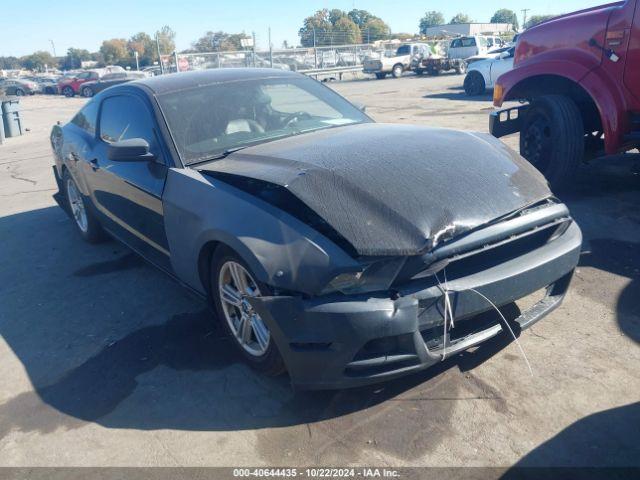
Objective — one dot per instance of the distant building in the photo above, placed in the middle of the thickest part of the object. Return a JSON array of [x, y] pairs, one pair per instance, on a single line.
[[88, 64], [470, 29]]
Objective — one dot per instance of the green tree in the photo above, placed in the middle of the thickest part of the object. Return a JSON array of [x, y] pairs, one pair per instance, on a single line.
[[167, 40], [316, 28], [360, 17], [460, 18], [213, 41], [375, 29], [74, 58], [9, 63], [537, 19], [504, 15], [38, 61], [145, 46], [430, 19], [346, 31], [115, 52]]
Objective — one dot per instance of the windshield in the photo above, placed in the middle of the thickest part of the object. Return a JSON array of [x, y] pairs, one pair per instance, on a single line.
[[206, 121]]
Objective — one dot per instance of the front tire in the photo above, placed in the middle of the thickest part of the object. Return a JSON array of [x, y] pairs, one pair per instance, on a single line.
[[86, 223], [19, 92], [231, 283], [397, 71], [461, 68], [552, 138], [474, 84], [87, 92], [68, 92]]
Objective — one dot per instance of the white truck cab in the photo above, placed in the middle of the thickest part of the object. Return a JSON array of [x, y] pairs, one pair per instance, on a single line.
[[465, 47]]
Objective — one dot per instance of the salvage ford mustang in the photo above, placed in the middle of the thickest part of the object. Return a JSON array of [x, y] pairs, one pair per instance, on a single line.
[[331, 246]]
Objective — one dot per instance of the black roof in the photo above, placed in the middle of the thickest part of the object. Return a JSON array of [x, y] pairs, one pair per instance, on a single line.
[[181, 81]]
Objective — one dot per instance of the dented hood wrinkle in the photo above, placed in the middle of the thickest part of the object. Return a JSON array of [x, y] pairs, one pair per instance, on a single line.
[[395, 189]]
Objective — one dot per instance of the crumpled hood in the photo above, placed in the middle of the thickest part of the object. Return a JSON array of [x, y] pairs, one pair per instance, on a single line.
[[395, 189]]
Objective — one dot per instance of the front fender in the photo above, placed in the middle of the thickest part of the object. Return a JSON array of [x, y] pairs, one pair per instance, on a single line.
[[280, 250], [605, 92]]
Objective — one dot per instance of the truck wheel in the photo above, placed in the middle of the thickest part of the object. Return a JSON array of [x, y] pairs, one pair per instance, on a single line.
[[461, 68], [397, 71], [381, 76], [552, 138], [419, 71], [231, 283], [474, 84]]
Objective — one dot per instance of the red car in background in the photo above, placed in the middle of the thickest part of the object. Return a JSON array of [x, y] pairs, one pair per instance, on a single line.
[[69, 86]]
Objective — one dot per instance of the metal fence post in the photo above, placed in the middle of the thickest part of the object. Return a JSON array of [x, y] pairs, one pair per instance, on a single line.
[[315, 50], [270, 49]]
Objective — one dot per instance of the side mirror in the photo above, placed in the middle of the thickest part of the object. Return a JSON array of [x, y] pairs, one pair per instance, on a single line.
[[131, 150], [360, 106]]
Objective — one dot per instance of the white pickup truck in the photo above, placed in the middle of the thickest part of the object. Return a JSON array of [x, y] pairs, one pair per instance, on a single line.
[[396, 64]]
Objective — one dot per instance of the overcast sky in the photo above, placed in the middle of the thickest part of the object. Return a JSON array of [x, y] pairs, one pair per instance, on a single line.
[[86, 24]]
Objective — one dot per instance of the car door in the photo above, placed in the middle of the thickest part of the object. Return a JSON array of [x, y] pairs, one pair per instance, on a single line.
[[129, 193]]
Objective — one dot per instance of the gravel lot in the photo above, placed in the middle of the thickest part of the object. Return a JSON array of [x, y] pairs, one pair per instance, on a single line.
[[107, 362]]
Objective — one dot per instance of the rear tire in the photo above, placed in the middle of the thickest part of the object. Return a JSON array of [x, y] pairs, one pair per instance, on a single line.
[[474, 84], [397, 71], [84, 220], [552, 138], [68, 92], [266, 359], [19, 92], [381, 76], [461, 68]]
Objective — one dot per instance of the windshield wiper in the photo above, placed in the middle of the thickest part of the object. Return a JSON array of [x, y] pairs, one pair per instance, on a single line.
[[219, 156]]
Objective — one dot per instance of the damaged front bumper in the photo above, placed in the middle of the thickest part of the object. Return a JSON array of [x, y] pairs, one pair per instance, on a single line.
[[344, 341]]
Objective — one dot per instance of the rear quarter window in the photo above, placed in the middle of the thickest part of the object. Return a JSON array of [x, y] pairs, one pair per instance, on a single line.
[[87, 118]]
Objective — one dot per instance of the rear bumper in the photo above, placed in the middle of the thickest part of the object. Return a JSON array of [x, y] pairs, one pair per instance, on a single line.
[[340, 341]]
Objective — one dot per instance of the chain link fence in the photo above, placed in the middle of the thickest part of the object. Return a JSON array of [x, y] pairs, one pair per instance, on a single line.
[[304, 60]]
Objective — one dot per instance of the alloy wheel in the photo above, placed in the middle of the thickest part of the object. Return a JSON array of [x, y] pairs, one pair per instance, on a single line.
[[235, 284], [77, 206]]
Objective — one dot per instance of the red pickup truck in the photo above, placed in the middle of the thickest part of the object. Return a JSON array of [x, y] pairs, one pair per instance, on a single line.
[[578, 78]]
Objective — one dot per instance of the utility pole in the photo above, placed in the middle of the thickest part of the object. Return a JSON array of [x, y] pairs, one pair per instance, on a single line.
[[159, 57], [253, 35], [135, 54], [270, 49], [53, 46], [524, 15]]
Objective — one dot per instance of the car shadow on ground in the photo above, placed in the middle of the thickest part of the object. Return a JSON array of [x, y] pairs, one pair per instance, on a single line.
[[458, 93], [106, 338]]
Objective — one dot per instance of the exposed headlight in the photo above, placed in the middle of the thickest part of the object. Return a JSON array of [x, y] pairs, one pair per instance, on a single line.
[[373, 277]]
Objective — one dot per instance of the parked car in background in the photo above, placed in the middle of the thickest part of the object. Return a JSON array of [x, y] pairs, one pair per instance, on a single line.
[[19, 86], [48, 85], [318, 244], [70, 86], [482, 74], [465, 47], [398, 63], [89, 89]]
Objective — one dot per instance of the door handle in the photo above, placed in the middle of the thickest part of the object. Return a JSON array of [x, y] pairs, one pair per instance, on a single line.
[[94, 164]]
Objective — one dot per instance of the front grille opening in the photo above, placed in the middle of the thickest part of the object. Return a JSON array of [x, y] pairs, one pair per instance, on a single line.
[[383, 355], [491, 257], [433, 337], [380, 347]]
